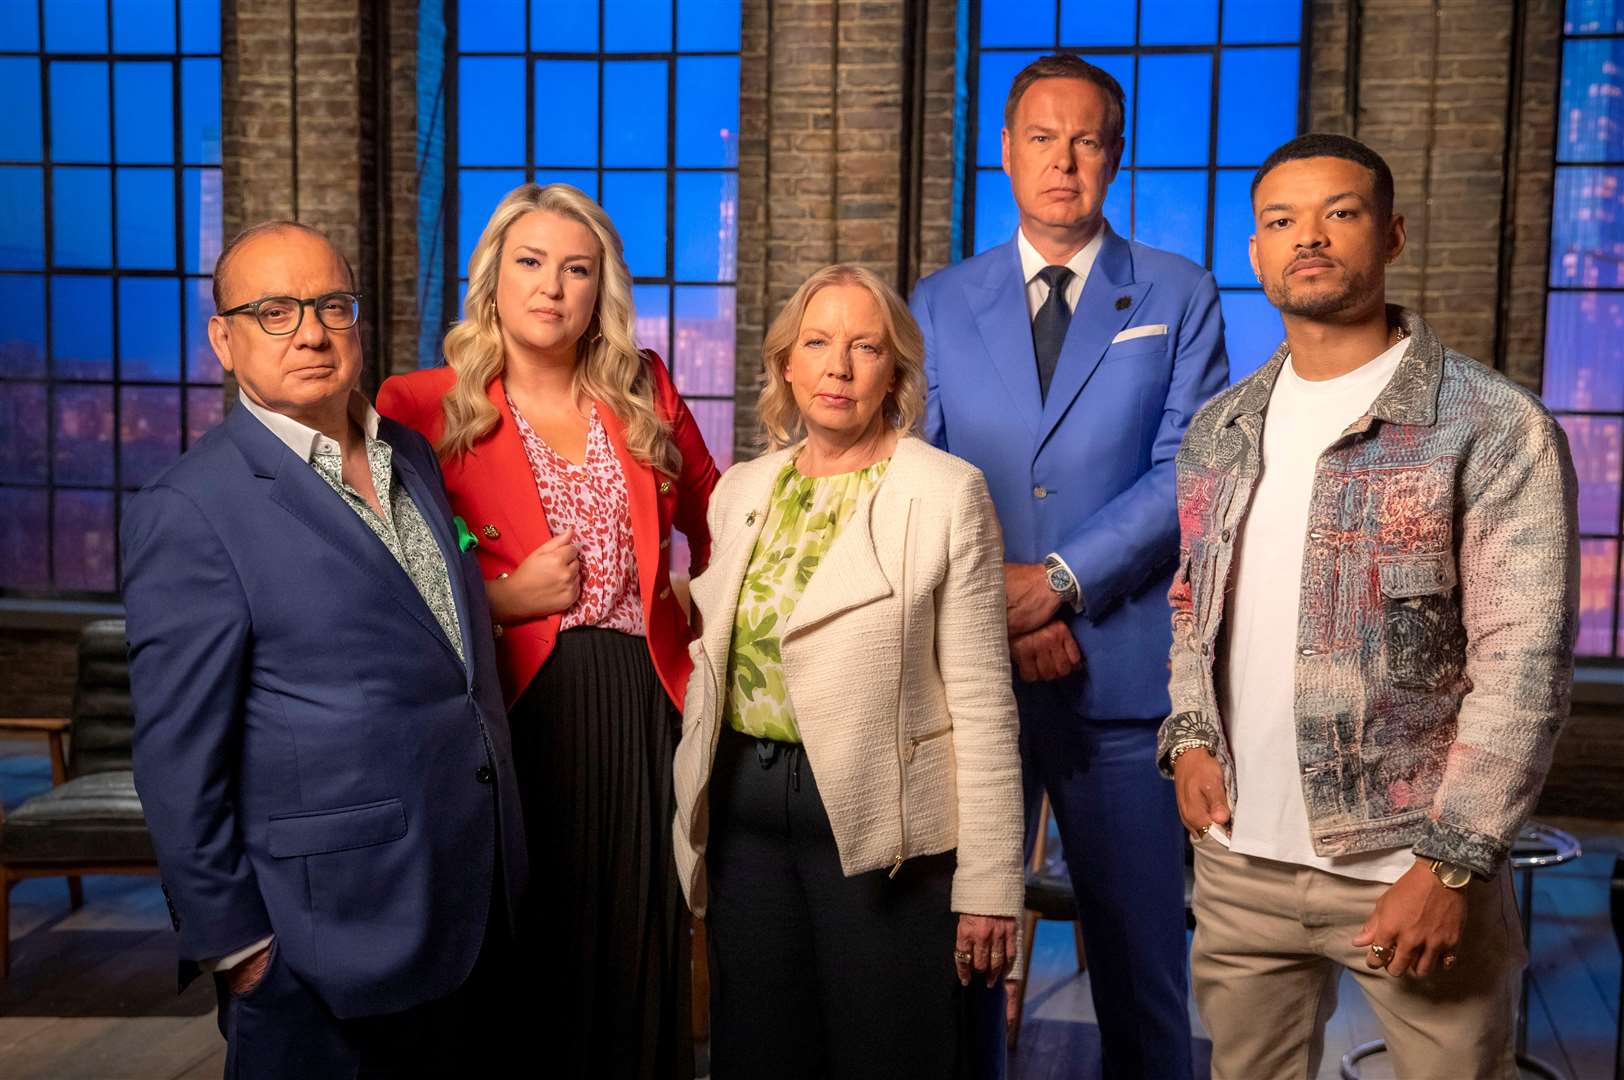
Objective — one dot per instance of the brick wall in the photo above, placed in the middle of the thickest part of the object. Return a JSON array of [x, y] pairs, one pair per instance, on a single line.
[[38, 665]]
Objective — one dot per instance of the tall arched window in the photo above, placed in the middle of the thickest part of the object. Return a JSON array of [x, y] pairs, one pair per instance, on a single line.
[[1584, 313], [109, 226], [1212, 86], [636, 102]]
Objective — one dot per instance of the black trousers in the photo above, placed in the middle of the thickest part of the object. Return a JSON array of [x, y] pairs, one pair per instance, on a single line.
[[814, 974], [279, 1030]]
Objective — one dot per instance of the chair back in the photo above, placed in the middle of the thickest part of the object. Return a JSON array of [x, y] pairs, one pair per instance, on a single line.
[[103, 720]]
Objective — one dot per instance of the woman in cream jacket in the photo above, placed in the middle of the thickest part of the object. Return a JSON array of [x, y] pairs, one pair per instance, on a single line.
[[848, 781]]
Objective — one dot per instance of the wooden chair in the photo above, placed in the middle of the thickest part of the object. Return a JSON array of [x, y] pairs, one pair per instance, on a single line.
[[90, 821]]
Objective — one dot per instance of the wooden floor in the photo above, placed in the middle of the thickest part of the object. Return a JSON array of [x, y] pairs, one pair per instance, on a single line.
[[92, 993]]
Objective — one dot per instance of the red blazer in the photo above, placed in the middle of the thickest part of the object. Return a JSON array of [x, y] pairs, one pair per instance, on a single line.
[[492, 488]]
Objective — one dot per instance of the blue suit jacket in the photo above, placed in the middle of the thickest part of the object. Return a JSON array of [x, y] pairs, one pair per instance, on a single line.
[[313, 759], [1100, 448]]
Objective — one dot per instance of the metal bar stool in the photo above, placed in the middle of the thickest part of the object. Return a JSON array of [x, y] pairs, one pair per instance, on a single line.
[[1537, 847]]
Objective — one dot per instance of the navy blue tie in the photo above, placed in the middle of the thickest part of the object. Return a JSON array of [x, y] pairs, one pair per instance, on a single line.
[[1049, 328]]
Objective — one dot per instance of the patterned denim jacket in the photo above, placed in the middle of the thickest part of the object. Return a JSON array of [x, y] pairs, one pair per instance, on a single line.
[[1436, 629]]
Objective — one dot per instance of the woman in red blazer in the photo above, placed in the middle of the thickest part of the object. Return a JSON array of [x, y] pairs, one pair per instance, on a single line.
[[570, 455]]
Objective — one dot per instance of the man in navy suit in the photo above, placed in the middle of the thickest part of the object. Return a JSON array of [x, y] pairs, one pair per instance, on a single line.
[[1066, 364], [320, 744]]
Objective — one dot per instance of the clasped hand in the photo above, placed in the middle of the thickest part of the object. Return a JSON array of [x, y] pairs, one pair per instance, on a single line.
[[546, 582], [1040, 645]]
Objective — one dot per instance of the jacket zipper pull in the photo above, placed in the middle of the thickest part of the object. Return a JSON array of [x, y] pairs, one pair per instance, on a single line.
[[895, 866]]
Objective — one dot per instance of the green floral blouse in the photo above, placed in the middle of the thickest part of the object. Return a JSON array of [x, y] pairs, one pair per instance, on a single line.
[[805, 516]]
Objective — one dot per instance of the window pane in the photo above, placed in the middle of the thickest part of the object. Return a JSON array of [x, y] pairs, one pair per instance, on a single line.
[[79, 111], [708, 111], [84, 435], [490, 25], [1170, 211], [1232, 226], [1097, 22], [1592, 111], [200, 112], [1584, 351], [82, 226], [715, 420], [1257, 103], [1587, 226], [564, 25], [202, 232], [478, 192], [1119, 204], [1030, 23], [634, 112], [706, 207], [22, 218], [654, 318], [584, 179], [636, 202], [1174, 95], [490, 111], [1594, 441], [84, 541], [705, 320], [996, 71], [146, 219], [22, 325], [205, 408], [149, 328], [1598, 563], [1263, 20], [1252, 331], [1178, 22], [567, 135], [19, 27], [201, 366], [200, 26], [708, 25], [144, 26], [19, 89], [1595, 17], [81, 327], [149, 432], [996, 216], [1122, 69], [636, 25], [24, 552], [75, 25], [23, 456], [143, 112]]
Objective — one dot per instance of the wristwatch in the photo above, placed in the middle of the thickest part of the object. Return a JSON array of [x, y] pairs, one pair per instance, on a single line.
[[1452, 876], [1060, 579]]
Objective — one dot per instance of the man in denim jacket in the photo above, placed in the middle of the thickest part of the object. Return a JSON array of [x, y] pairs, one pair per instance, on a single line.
[[1373, 628]]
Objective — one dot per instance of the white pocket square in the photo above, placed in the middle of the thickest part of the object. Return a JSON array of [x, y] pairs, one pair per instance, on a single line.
[[1132, 332]]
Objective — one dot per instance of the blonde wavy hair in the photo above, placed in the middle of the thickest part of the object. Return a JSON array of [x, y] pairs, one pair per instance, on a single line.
[[781, 421], [610, 368]]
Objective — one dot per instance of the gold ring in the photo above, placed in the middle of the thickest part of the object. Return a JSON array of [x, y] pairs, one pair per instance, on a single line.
[[961, 957], [1449, 960], [1380, 951], [1201, 834]]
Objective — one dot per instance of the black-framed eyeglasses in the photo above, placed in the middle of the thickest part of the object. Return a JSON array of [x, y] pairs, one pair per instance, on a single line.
[[283, 315]]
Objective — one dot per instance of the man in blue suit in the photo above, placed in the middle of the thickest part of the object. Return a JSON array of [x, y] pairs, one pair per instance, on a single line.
[[320, 744], [1066, 364]]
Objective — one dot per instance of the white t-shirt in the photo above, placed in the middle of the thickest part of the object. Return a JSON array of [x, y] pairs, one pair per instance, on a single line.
[[1257, 689]]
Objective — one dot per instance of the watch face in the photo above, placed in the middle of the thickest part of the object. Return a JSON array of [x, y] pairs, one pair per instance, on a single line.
[[1059, 580], [1454, 877]]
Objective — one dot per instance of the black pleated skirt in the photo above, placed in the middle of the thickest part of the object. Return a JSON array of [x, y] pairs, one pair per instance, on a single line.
[[604, 941]]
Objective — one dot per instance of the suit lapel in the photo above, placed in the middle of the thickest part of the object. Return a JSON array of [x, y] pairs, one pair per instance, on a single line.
[[716, 591], [1108, 302], [296, 487], [643, 503], [998, 304], [429, 500], [500, 454]]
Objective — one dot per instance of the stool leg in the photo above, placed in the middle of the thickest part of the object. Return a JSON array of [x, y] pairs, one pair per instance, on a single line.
[[5, 923], [76, 892], [1030, 926]]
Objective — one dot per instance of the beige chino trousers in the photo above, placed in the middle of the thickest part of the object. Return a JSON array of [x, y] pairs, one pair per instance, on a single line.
[[1273, 938]]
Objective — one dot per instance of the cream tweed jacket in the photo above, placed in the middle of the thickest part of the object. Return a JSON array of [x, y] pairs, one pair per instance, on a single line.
[[897, 662]]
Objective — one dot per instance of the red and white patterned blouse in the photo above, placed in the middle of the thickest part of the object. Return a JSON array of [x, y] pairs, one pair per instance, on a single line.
[[591, 499]]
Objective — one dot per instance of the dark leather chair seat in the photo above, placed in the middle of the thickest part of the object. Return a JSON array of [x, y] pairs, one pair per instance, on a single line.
[[88, 819]]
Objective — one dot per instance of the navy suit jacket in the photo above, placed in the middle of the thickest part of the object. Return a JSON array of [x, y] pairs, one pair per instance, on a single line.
[[1088, 471], [313, 759]]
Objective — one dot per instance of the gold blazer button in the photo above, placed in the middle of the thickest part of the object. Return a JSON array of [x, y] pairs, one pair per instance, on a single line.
[[490, 532], [665, 487]]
